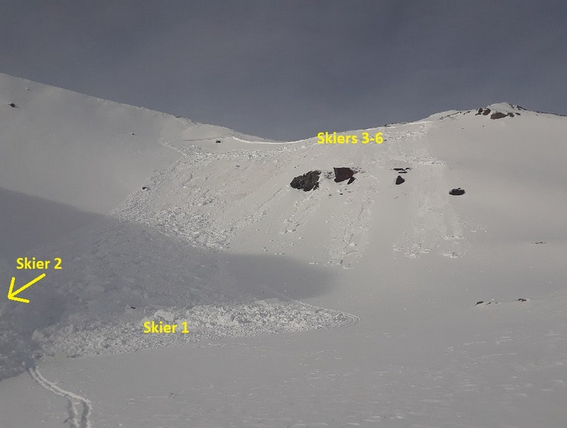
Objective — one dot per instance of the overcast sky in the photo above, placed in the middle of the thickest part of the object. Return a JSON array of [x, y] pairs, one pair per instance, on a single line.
[[290, 69]]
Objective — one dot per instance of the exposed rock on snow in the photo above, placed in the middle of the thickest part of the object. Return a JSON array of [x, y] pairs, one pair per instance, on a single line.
[[308, 181], [400, 180], [484, 112], [500, 115], [401, 170], [486, 303], [500, 110], [457, 192], [342, 174]]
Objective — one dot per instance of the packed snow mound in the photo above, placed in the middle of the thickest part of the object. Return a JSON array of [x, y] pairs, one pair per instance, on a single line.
[[196, 324]]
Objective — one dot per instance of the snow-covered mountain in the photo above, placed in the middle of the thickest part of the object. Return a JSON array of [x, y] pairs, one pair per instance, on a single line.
[[387, 300]]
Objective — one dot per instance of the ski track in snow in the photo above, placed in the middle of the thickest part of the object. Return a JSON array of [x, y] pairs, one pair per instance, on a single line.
[[435, 225], [76, 418]]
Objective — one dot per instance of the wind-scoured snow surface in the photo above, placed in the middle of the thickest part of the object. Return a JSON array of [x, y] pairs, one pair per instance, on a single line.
[[362, 304]]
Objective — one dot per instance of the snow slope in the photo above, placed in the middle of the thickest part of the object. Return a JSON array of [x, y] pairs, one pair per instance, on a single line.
[[372, 287], [111, 281], [73, 149]]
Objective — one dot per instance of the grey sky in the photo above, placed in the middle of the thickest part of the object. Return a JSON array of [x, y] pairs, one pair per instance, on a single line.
[[289, 69]]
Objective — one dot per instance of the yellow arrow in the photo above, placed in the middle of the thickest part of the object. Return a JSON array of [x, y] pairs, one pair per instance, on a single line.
[[12, 294]]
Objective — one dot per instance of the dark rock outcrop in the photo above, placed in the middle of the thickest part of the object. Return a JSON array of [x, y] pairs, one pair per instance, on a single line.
[[483, 111], [342, 174], [498, 115], [402, 170], [494, 115], [12, 105], [457, 192], [400, 180], [308, 181]]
